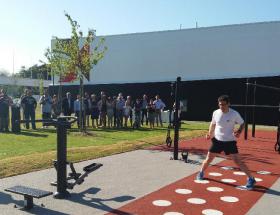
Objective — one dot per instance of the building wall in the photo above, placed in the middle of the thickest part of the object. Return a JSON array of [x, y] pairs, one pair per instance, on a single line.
[[233, 51], [211, 61]]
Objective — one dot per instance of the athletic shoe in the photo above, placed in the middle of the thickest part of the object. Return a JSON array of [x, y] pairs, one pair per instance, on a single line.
[[200, 176], [250, 183]]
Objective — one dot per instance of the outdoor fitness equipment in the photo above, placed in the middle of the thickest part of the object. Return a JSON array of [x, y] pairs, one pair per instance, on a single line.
[[277, 144], [175, 94], [63, 182], [253, 106], [168, 139]]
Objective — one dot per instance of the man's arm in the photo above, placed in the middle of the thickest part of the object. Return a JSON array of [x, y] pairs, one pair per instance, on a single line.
[[211, 130], [239, 130]]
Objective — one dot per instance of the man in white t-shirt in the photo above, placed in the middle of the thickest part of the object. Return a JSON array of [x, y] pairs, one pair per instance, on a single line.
[[223, 133]]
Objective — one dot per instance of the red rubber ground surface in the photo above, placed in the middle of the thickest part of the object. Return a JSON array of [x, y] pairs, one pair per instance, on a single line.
[[259, 155]]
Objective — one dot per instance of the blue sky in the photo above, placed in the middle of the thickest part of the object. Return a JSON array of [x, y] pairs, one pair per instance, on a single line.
[[27, 26]]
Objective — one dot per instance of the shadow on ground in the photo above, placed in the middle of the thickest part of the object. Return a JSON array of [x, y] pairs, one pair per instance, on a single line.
[[17, 205], [88, 198]]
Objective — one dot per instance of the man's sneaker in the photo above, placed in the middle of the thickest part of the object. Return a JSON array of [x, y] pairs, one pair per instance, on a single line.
[[250, 183], [200, 176]]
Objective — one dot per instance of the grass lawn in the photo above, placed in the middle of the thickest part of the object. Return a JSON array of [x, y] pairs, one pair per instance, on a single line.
[[34, 150]]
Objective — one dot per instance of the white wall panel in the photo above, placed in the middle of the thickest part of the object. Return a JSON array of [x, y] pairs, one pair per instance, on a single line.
[[234, 51]]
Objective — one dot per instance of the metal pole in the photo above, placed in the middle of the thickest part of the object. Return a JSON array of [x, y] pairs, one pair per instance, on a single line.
[[245, 109], [176, 122], [253, 111], [61, 160]]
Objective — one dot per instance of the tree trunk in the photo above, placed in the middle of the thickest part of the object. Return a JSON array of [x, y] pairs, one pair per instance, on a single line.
[[81, 104]]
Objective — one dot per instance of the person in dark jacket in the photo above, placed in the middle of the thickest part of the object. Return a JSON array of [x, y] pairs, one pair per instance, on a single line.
[[67, 105], [5, 103], [29, 105]]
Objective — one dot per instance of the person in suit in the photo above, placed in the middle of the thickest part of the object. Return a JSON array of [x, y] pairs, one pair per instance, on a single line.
[[67, 105]]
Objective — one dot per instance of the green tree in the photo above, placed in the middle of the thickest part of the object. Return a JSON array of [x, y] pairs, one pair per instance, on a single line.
[[76, 56]]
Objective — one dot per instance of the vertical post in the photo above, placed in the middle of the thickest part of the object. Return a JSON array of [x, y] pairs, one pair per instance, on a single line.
[[171, 109], [253, 111], [61, 160], [176, 122], [277, 145], [245, 114]]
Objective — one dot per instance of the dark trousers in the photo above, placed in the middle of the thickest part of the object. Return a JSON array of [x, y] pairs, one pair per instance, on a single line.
[[46, 116], [30, 114], [78, 118], [144, 114], [119, 118], [4, 123]]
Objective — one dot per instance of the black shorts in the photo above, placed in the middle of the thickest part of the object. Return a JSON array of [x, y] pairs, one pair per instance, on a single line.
[[229, 147]]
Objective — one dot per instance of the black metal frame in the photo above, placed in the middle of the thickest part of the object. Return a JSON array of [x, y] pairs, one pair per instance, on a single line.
[[253, 106], [62, 123], [175, 89]]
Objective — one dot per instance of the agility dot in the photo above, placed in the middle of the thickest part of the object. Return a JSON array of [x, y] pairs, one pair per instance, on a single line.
[[228, 180], [258, 179], [229, 199], [241, 188], [215, 189], [201, 181], [216, 174], [239, 173], [212, 212], [173, 213], [227, 167], [162, 203], [196, 201], [183, 191], [264, 172]]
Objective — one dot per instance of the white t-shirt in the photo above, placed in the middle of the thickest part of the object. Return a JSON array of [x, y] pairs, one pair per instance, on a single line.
[[225, 123]]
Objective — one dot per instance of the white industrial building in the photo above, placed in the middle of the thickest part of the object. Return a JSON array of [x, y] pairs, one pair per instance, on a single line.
[[210, 60]]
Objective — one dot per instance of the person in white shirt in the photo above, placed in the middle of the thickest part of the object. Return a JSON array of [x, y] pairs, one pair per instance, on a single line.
[[159, 105], [223, 133], [46, 106]]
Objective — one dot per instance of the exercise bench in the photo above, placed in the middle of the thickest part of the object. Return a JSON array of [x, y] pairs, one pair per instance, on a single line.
[[28, 194]]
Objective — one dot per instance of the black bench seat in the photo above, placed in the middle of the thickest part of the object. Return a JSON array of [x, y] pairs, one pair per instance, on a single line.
[[28, 194]]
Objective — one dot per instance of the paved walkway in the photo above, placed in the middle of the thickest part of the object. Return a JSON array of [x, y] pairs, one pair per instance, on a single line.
[[131, 182]]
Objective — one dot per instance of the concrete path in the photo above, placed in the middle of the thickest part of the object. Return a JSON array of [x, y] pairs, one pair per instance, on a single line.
[[123, 178]]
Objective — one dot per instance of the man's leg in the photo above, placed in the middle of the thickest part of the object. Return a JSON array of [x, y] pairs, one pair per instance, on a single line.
[[238, 161], [251, 180], [209, 158], [27, 118], [32, 116], [160, 120], [157, 116]]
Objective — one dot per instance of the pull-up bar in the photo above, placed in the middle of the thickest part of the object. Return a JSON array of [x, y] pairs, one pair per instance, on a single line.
[[264, 86], [246, 106], [255, 106]]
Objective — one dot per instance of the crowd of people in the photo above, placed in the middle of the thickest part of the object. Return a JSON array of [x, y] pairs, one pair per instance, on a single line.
[[97, 110], [106, 111]]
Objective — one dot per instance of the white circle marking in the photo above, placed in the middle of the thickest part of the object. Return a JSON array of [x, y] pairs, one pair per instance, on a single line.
[[201, 181], [215, 174], [183, 191], [228, 180], [162, 203], [197, 201], [212, 212], [173, 213], [264, 172], [229, 199], [239, 173], [215, 189]]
